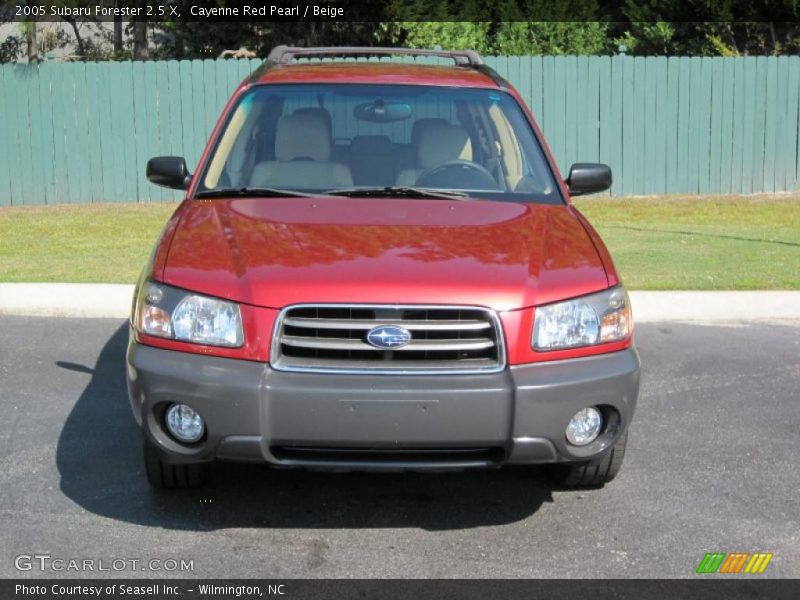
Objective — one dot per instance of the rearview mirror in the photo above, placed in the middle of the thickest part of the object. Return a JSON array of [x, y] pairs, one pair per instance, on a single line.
[[382, 112], [588, 178], [169, 171]]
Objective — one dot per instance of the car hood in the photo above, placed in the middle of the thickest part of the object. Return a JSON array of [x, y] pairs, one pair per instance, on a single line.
[[279, 251]]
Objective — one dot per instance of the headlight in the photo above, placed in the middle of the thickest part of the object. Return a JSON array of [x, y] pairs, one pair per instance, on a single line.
[[595, 319], [168, 312]]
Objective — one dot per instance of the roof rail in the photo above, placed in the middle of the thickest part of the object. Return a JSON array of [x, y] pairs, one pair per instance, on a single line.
[[285, 54], [501, 82]]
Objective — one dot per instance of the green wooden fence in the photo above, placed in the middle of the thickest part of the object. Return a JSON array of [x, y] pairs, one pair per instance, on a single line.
[[82, 132]]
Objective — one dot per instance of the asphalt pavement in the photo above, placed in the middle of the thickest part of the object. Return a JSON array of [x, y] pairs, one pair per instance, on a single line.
[[712, 465]]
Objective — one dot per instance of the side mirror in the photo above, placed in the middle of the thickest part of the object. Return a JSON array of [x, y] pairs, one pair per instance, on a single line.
[[588, 178], [169, 171]]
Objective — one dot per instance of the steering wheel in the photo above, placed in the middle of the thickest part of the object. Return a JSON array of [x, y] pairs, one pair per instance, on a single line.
[[462, 172]]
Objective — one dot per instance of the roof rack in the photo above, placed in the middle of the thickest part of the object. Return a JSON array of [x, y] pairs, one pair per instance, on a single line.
[[282, 55]]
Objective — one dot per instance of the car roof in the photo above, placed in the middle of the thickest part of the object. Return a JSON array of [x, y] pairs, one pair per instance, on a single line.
[[374, 73]]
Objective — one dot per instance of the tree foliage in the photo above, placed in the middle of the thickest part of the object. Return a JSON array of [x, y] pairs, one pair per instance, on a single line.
[[704, 28], [505, 27]]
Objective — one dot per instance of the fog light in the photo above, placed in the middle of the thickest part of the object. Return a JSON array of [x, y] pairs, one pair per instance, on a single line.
[[584, 426], [184, 423]]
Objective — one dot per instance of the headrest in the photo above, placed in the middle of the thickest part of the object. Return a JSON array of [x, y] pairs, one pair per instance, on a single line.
[[371, 144], [302, 136], [422, 124], [320, 112], [442, 142]]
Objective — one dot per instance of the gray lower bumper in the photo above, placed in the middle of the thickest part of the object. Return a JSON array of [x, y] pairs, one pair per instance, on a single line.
[[254, 413]]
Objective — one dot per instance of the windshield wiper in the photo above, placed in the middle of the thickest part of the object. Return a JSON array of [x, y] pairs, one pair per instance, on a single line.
[[403, 191], [252, 192]]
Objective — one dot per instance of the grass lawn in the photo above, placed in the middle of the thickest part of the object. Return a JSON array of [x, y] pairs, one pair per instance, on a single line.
[[657, 243], [107, 243], [709, 243]]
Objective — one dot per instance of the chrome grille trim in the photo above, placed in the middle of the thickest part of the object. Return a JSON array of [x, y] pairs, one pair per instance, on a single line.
[[411, 325], [482, 326], [348, 344]]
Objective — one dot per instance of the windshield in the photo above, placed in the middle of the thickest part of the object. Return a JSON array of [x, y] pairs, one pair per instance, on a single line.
[[347, 138]]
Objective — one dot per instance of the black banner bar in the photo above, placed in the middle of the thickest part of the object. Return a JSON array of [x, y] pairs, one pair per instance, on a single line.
[[409, 589], [373, 11]]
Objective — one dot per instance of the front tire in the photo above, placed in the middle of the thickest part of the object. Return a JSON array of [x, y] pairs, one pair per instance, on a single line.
[[592, 473], [165, 476]]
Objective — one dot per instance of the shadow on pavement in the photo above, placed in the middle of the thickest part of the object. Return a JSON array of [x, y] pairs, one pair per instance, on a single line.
[[99, 462]]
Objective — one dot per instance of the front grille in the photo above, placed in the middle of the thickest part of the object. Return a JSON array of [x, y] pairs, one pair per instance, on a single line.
[[334, 338]]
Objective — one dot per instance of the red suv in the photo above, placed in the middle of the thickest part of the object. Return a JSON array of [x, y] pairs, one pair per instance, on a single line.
[[378, 266]]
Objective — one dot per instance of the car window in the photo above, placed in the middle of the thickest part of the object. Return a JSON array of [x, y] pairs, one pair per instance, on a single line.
[[340, 136]]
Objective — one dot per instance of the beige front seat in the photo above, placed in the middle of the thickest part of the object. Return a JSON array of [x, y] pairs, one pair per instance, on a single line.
[[302, 152], [439, 142]]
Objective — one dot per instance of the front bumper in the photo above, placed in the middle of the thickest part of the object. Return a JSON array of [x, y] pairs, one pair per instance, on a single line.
[[254, 413]]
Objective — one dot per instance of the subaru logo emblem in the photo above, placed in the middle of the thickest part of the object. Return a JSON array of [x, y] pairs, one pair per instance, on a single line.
[[387, 337]]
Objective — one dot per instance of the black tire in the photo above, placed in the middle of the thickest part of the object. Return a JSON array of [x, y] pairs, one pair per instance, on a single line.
[[165, 476], [593, 473]]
